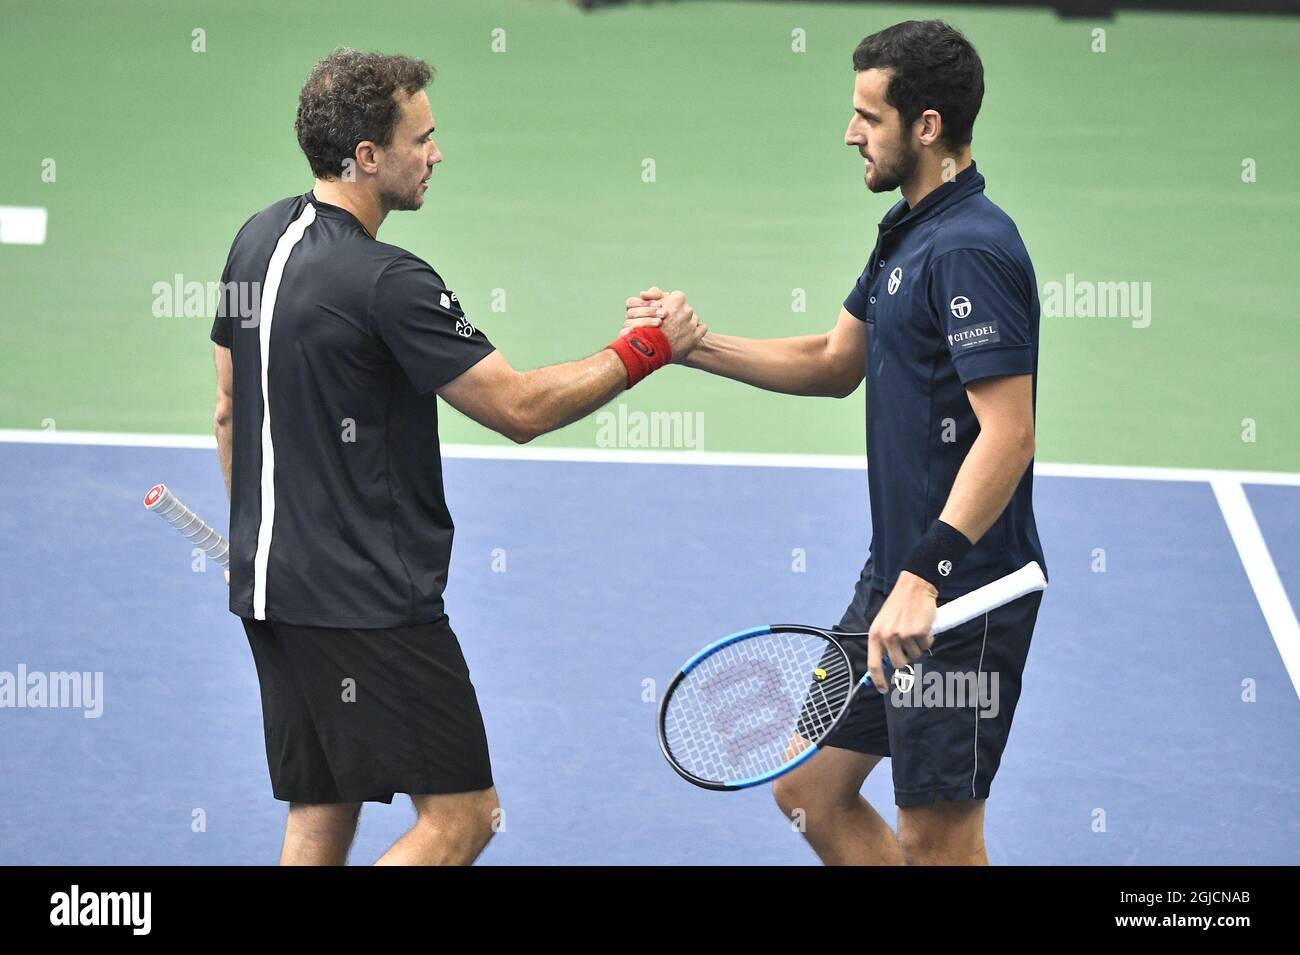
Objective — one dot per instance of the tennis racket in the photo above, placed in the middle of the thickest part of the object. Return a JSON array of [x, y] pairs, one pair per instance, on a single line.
[[167, 506], [754, 705]]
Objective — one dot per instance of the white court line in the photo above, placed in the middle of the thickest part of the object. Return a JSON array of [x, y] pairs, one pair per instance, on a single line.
[[1227, 486], [846, 462], [23, 225], [114, 438], [1261, 572]]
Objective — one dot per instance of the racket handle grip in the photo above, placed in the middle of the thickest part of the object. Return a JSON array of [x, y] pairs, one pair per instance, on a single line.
[[167, 506], [980, 601]]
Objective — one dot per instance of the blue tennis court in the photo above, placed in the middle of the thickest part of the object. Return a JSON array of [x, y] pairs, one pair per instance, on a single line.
[[1159, 723]]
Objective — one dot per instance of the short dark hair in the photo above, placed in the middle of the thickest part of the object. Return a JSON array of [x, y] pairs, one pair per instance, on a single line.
[[349, 98], [934, 67]]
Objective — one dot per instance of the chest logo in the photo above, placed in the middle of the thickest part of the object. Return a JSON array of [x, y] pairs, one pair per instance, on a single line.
[[960, 306], [895, 280]]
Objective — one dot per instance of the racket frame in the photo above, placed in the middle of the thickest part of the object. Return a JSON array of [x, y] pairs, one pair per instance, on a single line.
[[1028, 579], [737, 637]]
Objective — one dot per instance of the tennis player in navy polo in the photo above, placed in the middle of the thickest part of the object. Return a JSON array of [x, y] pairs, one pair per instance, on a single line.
[[943, 324]]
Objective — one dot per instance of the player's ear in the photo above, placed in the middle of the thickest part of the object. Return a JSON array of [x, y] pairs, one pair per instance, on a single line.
[[930, 127], [367, 157]]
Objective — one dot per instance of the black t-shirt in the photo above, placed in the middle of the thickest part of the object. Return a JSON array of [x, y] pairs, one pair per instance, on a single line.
[[949, 298], [339, 343]]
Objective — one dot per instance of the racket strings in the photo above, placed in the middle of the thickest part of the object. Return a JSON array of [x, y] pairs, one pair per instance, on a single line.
[[754, 705]]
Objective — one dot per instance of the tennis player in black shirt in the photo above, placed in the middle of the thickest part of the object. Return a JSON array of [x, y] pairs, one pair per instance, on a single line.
[[327, 430]]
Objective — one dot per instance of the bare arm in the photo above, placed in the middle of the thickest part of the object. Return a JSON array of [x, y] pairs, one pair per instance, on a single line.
[[524, 404], [831, 365], [221, 417], [998, 458]]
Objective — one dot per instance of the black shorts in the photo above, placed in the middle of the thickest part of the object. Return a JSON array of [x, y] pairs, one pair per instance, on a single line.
[[359, 715], [945, 728]]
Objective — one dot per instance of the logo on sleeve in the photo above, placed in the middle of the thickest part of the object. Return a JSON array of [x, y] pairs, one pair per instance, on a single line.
[[445, 302], [895, 280], [463, 328], [972, 335], [960, 307]]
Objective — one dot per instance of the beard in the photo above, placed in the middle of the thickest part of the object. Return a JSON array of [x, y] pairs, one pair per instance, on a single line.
[[890, 177], [406, 200]]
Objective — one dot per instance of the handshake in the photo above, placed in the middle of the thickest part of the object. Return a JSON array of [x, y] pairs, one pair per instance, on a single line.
[[671, 314]]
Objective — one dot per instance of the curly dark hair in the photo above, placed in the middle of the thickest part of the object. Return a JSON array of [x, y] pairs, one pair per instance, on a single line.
[[349, 98], [934, 67]]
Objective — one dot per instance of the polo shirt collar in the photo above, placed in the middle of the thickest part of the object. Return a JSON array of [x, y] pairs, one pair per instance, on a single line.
[[965, 183]]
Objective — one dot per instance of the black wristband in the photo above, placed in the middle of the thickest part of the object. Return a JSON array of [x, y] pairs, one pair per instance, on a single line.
[[938, 553]]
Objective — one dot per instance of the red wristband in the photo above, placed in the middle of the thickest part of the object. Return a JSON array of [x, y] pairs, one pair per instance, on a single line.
[[643, 350]]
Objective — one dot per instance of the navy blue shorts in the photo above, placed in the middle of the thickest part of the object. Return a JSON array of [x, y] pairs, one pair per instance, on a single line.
[[946, 719]]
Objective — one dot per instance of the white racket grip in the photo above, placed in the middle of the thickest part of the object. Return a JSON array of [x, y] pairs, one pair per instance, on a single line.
[[989, 597], [167, 506]]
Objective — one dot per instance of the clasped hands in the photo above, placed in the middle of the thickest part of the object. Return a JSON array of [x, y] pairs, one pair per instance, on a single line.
[[671, 314]]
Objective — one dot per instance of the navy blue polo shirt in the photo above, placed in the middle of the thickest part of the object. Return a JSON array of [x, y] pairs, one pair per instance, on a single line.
[[949, 298]]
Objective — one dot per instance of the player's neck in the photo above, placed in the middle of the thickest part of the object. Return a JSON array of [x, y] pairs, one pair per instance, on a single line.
[[357, 201], [931, 173]]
